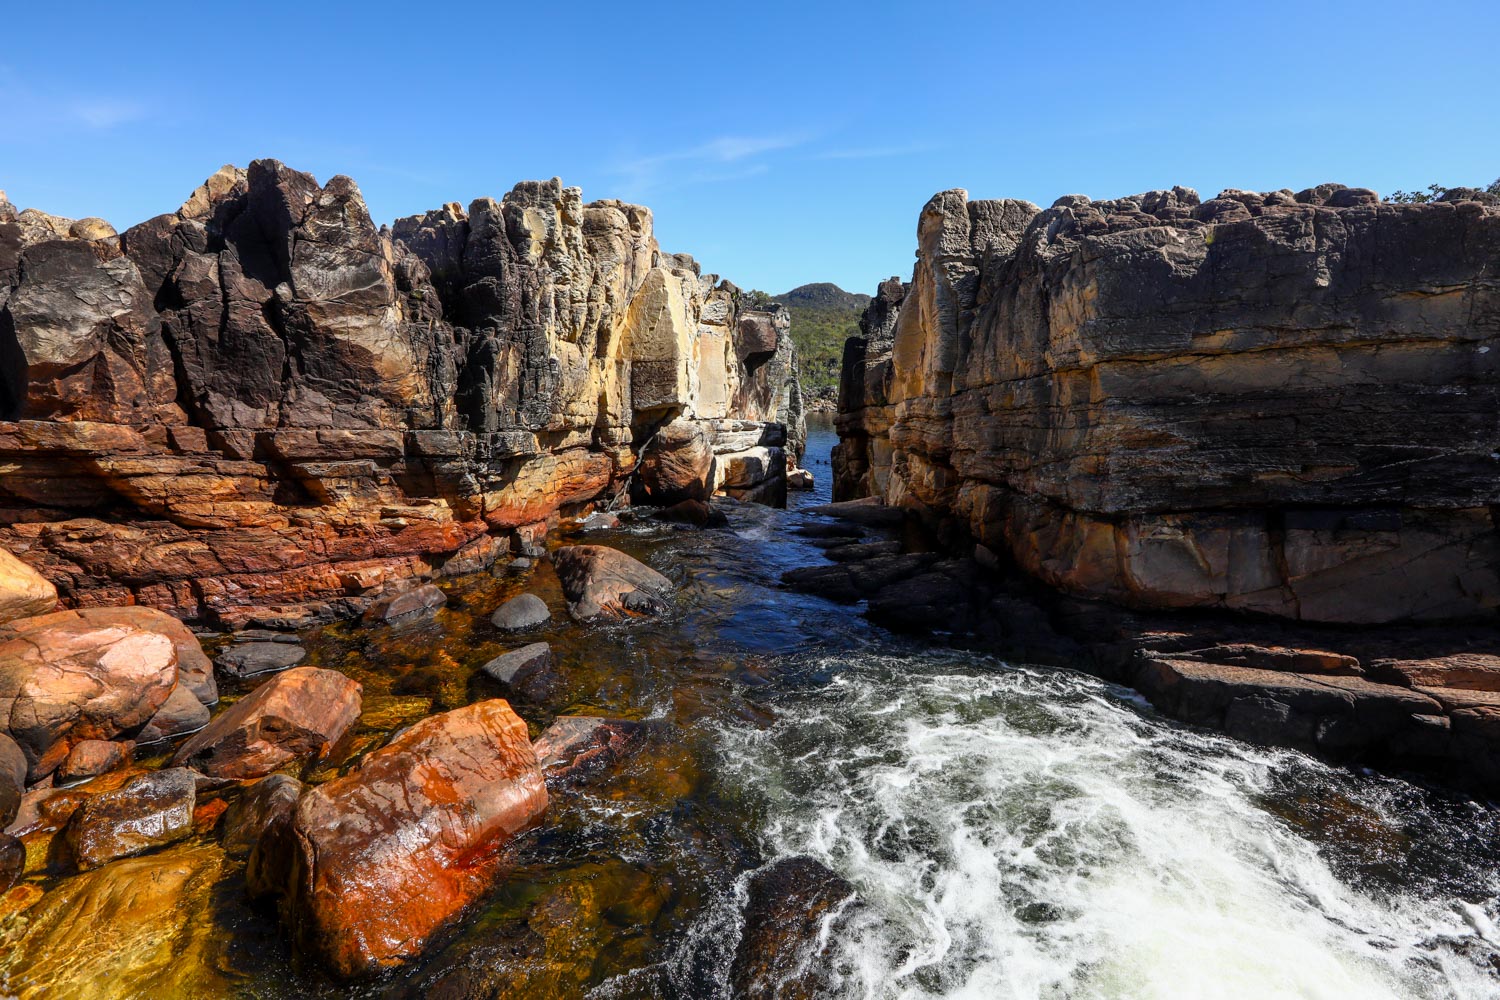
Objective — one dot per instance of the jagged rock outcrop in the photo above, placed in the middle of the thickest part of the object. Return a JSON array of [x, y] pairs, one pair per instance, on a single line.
[[263, 401], [1275, 403]]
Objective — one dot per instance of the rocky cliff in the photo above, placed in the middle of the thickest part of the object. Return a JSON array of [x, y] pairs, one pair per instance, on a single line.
[[262, 400], [1279, 403]]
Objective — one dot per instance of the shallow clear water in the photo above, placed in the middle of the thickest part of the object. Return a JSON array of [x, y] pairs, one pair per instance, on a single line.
[[1012, 832]]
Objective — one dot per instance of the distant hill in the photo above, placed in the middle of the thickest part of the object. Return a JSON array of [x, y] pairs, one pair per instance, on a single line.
[[823, 317]]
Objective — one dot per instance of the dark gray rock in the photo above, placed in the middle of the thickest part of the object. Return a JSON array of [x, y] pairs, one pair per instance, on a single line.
[[267, 803], [522, 612], [252, 658], [529, 671]]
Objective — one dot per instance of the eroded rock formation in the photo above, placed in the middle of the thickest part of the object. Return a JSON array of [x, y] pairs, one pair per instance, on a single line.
[[263, 401], [1275, 403]]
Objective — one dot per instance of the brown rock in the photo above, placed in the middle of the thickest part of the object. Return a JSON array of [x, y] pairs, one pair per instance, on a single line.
[[12, 861], [598, 580], [1474, 671], [23, 591], [153, 810], [180, 715], [578, 746], [385, 856], [781, 954], [677, 464], [295, 716], [423, 598], [12, 779], [1114, 395], [698, 513], [91, 758], [142, 927], [269, 802], [79, 675]]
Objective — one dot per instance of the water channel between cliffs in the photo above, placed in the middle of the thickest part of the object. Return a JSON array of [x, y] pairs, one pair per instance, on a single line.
[[1011, 831]]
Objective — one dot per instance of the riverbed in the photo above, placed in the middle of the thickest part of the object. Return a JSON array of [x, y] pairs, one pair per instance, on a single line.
[[1011, 831]]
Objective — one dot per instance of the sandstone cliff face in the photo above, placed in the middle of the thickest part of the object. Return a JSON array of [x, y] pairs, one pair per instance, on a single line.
[[1275, 403], [263, 399]]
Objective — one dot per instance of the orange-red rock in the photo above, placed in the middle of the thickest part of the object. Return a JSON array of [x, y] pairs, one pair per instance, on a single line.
[[295, 716], [385, 856]]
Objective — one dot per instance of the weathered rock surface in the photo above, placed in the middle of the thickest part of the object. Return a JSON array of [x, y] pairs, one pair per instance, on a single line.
[[1272, 403], [523, 611], [151, 811], [677, 464], [23, 591], [298, 715], [12, 779], [262, 402], [91, 758], [528, 671], [576, 747], [146, 926], [782, 955], [179, 715], [383, 857], [82, 675], [601, 581]]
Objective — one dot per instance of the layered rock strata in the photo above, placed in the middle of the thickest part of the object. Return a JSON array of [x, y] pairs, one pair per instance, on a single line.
[[263, 401], [1283, 404]]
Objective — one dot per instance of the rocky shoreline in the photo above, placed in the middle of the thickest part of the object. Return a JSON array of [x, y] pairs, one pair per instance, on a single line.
[[1237, 453]]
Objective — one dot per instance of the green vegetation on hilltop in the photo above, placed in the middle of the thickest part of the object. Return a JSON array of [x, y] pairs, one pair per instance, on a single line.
[[1436, 192], [823, 317]]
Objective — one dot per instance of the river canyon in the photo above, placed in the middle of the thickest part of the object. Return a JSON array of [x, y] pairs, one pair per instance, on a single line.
[[467, 608]]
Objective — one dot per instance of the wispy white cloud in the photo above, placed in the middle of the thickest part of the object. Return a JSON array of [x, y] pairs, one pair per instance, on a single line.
[[104, 112], [723, 158], [872, 152]]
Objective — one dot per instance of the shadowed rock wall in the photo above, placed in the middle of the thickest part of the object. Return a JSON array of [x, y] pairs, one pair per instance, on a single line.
[[264, 400], [1275, 403]]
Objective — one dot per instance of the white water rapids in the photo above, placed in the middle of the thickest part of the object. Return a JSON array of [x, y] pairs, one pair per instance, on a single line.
[[1036, 834]]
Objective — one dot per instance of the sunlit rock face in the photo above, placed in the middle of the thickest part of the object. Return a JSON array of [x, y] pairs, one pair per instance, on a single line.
[[1276, 403], [265, 401]]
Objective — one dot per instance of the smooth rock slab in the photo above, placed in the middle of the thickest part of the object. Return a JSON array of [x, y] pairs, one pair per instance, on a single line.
[[297, 715], [181, 715], [601, 581], [382, 858], [253, 658], [23, 591], [152, 811], [143, 927], [524, 611], [411, 602]]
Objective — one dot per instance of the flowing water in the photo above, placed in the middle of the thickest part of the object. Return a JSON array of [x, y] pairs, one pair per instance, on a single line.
[[1011, 831]]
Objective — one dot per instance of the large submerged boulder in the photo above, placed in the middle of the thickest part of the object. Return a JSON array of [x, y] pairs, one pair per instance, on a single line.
[[379, 860], [599, 581]]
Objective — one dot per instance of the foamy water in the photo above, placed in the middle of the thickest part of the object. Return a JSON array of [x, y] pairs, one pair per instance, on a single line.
[[1036, 834]]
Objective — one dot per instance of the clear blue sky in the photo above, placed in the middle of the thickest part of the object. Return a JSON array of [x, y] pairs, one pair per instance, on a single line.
[[778, 143]]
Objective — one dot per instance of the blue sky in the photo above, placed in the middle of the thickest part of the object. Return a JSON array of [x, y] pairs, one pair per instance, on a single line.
[[779, 143]]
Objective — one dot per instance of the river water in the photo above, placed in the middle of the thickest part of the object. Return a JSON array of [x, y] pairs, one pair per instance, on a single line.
[[1011, 831]]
